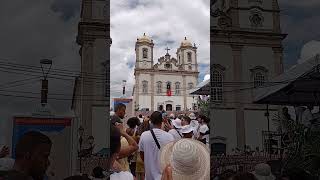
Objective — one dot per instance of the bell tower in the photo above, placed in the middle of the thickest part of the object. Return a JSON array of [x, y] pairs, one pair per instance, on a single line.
[[144, 52], [187, 55]]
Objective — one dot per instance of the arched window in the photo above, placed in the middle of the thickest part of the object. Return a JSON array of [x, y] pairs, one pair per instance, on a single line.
[[259, 76], [259, 79], [144, 87], [217, 86], [145, 53], [159, 87], [189, 55], [177, 88], [190, 85]]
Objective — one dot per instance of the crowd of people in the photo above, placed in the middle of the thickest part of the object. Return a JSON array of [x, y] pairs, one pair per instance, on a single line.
[[155, 147], [161, 146]]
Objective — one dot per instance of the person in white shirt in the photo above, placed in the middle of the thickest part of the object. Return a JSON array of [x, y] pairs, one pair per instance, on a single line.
[[140, 118], [195, 124], [150, 144], [204, 130], [175, 132]]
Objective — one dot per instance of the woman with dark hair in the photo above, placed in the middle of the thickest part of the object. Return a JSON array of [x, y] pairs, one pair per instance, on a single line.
[[133, 123], [145, 126]]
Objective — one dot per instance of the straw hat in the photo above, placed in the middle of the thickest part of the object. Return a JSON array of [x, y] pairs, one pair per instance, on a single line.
[[177, 123], [263, 172], [189, 159]]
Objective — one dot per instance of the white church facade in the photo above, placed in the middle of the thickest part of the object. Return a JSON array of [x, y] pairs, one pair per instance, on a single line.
[[168, 82], [246, 52]]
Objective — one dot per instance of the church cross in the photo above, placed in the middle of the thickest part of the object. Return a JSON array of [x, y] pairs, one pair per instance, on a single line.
[[167, 50]]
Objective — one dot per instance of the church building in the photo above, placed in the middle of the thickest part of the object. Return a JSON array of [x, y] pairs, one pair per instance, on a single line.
[[246, 52], [167, 83]]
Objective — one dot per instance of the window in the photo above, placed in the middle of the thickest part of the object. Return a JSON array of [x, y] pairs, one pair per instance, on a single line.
[[178, 108], [177, 88], [258, 80], [145, 53], [144, 87], [190, 85], [217, 86], [168, 66], [190, 68], [259, 76], [159, 87], [189, 56]]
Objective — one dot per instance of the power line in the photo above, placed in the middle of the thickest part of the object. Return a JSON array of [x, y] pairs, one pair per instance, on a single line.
[[54, 69]]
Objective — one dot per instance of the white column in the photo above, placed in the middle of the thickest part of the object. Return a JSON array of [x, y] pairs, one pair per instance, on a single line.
[[152, 92]]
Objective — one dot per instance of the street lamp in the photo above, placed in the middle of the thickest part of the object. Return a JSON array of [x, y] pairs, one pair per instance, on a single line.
[[45, 67], [81, 133], [124, 87]]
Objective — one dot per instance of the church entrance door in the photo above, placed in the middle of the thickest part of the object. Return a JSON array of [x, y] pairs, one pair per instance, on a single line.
[[169, 107]]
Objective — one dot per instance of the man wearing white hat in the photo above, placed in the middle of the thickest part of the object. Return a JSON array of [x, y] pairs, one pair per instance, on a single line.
[[187, 131], [176, 129]]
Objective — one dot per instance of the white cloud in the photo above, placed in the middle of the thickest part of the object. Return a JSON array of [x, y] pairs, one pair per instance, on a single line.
[[165, 21], [309, 50], [206, 77]]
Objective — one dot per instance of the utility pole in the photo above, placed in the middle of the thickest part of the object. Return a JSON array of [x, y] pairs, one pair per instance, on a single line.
[[45, 67]]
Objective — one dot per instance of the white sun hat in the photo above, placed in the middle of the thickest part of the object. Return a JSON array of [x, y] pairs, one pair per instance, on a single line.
[[192, 116], [6, 164], [189, 159], [177, 123], [186, 129], [263, 172]]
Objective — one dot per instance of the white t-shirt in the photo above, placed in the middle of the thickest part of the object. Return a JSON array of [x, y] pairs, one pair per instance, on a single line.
[[123, 175], [151, 152], [175, 134], [203, 129]]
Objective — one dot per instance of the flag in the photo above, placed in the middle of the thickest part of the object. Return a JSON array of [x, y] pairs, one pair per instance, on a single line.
[[168, 89], [169, 92]]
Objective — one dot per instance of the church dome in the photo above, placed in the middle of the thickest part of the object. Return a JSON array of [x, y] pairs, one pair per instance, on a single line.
[[186, 43], [144, 38]]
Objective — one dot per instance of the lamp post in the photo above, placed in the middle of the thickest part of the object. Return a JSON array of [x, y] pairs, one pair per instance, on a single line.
[[124, 87], [45, 67], [81, 132]]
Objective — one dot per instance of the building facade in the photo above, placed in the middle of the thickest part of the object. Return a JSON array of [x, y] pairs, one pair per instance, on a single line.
[[246, 51], [90, 102], [167, 82]]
